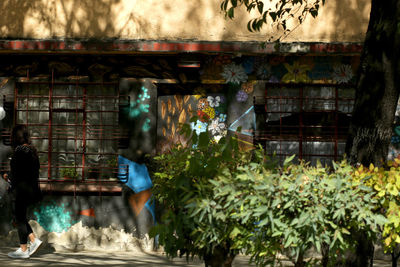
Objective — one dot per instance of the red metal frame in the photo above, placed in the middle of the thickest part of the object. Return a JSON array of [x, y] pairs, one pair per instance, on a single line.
[[103, 131], [303, 133]]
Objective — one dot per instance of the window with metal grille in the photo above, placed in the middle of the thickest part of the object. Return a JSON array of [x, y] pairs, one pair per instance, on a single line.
[[308, 120], [74, 126]]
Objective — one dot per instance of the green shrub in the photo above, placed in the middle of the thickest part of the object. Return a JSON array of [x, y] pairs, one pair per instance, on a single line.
[[297, 208], [385, 181], [190, 225], [219, 201]]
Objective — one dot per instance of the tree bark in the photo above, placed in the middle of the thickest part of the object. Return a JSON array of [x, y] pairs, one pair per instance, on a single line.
[[377, 93], [377, 87], [220, 257]]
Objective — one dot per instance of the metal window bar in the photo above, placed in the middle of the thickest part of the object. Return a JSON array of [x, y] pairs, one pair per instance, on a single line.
[[30, 108], [299, 119]]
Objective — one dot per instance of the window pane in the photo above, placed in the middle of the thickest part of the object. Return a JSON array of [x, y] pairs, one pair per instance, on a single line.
[[72, 137]]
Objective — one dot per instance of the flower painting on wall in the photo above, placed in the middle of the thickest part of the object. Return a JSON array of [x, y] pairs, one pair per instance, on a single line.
[[342, 73], [297, 73], [234, 73], [199, 127]]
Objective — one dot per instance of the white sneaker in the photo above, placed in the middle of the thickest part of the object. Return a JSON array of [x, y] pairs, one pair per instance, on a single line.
[[34, 246], [19, 254]]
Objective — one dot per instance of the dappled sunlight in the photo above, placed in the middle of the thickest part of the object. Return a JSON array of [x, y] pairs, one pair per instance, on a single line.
[[162, 20], [338, 21]]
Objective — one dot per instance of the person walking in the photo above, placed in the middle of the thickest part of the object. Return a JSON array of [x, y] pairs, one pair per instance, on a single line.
[[24, 185]]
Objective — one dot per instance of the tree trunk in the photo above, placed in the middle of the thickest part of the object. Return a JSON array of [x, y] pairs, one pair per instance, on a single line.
[[220, 257], [325, 255], [395, 255], [394, 260], [300, 261], [377, 93], [377, 87]]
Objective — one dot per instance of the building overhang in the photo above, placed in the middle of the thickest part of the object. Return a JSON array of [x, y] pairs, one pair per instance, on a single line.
[[118, 46]]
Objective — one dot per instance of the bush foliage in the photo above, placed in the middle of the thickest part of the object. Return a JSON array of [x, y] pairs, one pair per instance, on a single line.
[[219, 201]]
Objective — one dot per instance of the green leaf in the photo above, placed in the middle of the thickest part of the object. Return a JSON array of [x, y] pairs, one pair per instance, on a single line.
[[234, 233], [288, 241], [230, 13], [249, 26], [314, 13], [273, 15], [204, 140], [194, 119], [260, 6], [288, 160]]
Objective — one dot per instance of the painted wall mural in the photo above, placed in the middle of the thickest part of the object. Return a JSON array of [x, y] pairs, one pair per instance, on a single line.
[[54, 218], [140, 182], [241, 78], [138, 118], [140, 107]]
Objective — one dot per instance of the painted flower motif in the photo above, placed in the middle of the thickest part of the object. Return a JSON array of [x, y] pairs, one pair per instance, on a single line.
[[234, 74], [199, 127], [202, 104], [264, 71], [342, 73], [241, 96], [213, 101], [202, 116], [222, 117], [199, 92], [296, 73], [210, 112], [248, 87], [216, 127], [216, 138]]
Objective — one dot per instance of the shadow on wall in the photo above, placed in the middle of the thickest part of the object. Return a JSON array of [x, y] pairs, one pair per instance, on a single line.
[[79, 17], [345, 16], [127, 19], [184, 19]]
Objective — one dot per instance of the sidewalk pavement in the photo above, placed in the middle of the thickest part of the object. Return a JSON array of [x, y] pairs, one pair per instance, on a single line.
[[49, 257]]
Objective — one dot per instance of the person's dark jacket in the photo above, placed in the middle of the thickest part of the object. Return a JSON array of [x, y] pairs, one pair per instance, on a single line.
[[25, 174]]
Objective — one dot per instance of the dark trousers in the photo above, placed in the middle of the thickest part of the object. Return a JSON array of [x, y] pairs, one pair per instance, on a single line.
[[24, 229]]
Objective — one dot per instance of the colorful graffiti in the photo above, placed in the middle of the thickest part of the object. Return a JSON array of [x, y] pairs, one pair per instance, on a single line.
[[239, 70], [54, 218], [140, 106], [140, 182], [241, 78]]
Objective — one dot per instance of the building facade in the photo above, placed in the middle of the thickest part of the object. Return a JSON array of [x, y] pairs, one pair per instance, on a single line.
[[100, 84]]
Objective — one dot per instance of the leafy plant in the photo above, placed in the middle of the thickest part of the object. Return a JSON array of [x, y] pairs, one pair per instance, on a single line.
[[282, 15], [297, 208], [190, 226], [69, 172], [219, 201], [385, 181]]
